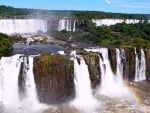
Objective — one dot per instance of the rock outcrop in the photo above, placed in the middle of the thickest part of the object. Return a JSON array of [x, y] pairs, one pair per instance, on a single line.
[[54, 78], [129, 68], [148, 64], [54, 74], [112, 58], [92, 60]]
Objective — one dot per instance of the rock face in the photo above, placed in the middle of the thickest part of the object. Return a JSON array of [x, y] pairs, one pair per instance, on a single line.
[[54, 74], [148, 64], [129, 67], [92, 60], [112, 58], [54, 78]]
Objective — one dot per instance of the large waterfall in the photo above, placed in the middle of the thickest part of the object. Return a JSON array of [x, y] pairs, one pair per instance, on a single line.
[[66, 24], [17, 86], [11, 26], [140, 67], [18, 89], [114, 80], [109, 22], [82, 82]]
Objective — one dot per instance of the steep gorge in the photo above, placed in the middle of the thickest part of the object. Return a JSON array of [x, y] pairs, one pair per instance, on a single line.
[[55, 79], [54, 73]]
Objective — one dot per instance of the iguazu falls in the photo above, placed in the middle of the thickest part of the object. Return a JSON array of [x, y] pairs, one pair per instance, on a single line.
[[72, 57]]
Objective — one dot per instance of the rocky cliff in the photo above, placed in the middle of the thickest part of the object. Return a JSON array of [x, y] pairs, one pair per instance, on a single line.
[[148, 64], [54, 78], [54, 74]]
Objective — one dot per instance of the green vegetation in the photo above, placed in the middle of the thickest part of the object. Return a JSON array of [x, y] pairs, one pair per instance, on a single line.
[[10, 12], [5, 44], [51, 65], [119, 35]]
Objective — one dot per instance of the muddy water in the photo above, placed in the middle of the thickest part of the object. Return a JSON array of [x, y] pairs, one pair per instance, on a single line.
[[138, 101]]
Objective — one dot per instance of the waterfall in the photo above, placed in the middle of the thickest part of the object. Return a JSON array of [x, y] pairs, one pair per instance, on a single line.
[[10, 68], [9, 72], [84, 97], [109, 22], [66, 24], [31, 99], [11, 26], [120, 56], [111, 82], [140, 67], [61, 25], [74, 26]]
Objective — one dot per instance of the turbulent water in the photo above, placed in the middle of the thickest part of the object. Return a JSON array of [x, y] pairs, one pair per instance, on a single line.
[[82, 82], [140, 67], [112, 95], [11, 26], [16, 96]]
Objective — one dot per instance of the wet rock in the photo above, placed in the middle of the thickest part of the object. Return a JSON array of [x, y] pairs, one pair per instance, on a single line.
[[54, 78], [148, 64], [112, 58], [92, 60], [130, 60]]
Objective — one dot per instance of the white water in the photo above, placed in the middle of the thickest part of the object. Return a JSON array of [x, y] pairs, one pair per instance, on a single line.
[[61, 52], [11, 26], [111, 83], [119, 73], [74, 26], [9, 89], [109, 22], [84, 99], [66, 24], [9, 71], [140, 67]]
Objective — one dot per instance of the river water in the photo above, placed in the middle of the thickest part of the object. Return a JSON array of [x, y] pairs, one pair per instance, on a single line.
[[137, 101]]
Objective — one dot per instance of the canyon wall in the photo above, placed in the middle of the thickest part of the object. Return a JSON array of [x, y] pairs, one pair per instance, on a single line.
[[148, 64], [54, 78], [54, 74]]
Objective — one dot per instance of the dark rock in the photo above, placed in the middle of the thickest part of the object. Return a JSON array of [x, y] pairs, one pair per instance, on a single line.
[[130, 60], [54, 78], [147, 51], [112, 58], [92, 60]]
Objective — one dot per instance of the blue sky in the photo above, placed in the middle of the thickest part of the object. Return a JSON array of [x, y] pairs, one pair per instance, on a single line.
[[123, 6]]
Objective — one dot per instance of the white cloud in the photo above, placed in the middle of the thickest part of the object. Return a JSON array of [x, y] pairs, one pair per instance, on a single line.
[[108, 1]]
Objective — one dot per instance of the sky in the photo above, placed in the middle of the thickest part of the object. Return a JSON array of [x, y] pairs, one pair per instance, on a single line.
[[117, 6]]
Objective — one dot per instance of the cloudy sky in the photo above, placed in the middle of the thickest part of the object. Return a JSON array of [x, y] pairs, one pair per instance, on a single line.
[[123, 6]]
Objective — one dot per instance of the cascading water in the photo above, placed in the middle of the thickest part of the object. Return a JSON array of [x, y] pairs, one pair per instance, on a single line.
[[111, 83], [84, 99], [9, 72], [74, 26], [109, 22], [11, 26], [9, 88], [66, 24], [119, 73], [140, 67]]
